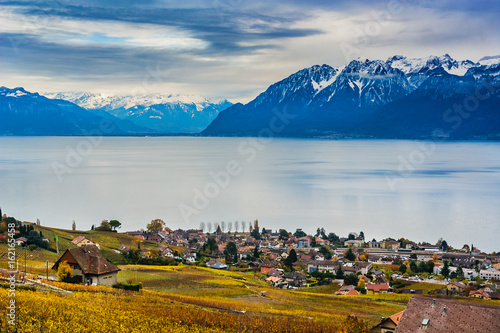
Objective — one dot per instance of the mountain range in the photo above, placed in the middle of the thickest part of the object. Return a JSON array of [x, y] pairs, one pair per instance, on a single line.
[[158, 113], [400, 97], [397, 98]]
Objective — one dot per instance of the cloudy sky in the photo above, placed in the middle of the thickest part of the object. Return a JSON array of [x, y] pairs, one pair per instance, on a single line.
[[223, 48]]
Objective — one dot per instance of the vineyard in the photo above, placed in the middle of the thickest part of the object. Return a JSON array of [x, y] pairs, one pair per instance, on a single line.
[[186, 299]]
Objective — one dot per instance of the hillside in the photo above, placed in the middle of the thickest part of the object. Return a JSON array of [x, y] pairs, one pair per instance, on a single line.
[[108, 241]]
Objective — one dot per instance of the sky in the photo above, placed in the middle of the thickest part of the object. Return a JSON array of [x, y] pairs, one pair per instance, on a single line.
[[231, 49]]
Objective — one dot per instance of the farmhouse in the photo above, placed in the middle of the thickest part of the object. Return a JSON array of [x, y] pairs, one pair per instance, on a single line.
[[387, 325], [89, 266], [82, 241]]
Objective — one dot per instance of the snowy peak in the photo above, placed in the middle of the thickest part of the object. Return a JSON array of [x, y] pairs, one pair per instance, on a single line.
[[16, 92], [93, 101], [411, 66]]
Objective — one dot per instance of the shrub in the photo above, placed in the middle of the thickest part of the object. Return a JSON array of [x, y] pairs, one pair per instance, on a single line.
[[64, 272]]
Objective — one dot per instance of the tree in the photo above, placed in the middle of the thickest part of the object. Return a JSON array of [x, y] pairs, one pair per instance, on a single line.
[[236, 226], [318, 232], [115, 224], [292, 257], [256, 224], [339, 273], [223, 226], [351, 279], [323, 233], [73, 226], [351, 236], [413, 267], [283, 234], [332, 237], [460, 272], [349, 255], [156, 225], [324, 251], [402, 268], [231, 251], [202, 226], [445, 271], [353, 325], [364, 257], [36, 239], [362, 235], [444, 246], [361, 287], [243, 226], [435, 258], [132, 256], [430, 266], [210, 245], [229, 226], [256, 252], [64, 272], [105, 226], [299, 233], [255, 234]]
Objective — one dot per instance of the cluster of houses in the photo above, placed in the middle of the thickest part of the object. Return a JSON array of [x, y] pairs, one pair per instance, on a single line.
[[489, 291], [273, 249]]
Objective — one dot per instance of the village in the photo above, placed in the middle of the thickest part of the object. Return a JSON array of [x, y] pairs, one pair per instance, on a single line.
[[299, 260], [286, 261]]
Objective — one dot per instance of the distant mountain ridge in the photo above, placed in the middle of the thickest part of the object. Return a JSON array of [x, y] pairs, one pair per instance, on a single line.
[[368, 98], [160, 113], [26, 113]]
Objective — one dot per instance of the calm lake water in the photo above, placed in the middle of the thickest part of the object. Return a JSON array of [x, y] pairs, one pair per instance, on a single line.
[[419, 190]]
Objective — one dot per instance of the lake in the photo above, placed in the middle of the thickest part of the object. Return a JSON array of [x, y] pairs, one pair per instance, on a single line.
[[385, 188]]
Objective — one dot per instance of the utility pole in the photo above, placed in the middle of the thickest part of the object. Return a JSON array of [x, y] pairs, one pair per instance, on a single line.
[[47, 270]]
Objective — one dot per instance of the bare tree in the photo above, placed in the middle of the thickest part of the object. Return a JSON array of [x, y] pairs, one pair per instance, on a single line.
[[236, 226], [202, 226], [229, 226], [243, 226], [209, 227], [223, 226]]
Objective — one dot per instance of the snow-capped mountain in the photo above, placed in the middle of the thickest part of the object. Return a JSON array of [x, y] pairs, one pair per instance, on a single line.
[[417, 70], [93, 101], [323, 100], [26, 113], [159, 112]]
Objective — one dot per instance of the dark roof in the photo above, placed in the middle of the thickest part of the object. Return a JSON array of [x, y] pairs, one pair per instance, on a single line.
[[90, 260], [295, 275], [459, 316], [413, 291]]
